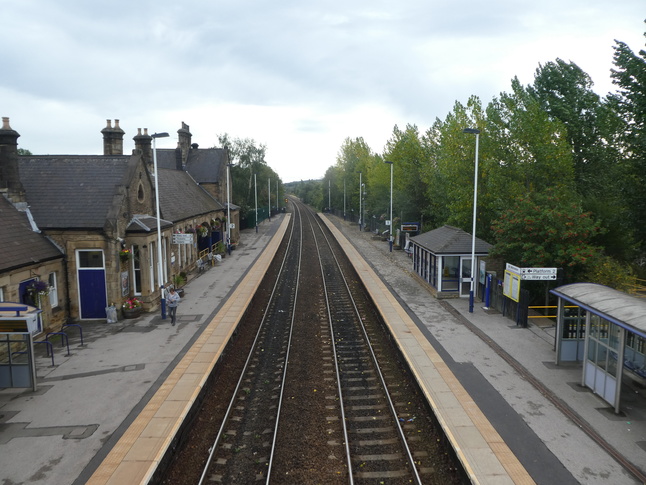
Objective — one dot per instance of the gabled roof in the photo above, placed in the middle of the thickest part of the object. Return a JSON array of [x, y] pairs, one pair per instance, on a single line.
[[146, 223], [180, 197], [450, 240], [71, 192], [204, 164], [21, 246]]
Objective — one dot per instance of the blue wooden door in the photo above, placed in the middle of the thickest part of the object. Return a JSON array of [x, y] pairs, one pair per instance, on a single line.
[[92, 287]]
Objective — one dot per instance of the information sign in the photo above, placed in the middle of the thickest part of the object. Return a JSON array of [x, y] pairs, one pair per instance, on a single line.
[[542, 274], [511, 285], [182, 238]]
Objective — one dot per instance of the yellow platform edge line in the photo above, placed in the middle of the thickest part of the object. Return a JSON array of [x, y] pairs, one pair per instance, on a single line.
[[388, 306]]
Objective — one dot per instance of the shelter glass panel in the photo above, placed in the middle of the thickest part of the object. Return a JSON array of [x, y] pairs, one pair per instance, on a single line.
[[450, 273]]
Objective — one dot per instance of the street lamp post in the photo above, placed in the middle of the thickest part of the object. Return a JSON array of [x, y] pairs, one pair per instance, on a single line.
[[229, 165], [344, 197], [390, 230], [255, 196], [160, 270], [360, 197], [475, 132], [269, 196]]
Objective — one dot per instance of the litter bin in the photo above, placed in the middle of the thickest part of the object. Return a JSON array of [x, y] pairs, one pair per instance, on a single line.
[[111, 314]]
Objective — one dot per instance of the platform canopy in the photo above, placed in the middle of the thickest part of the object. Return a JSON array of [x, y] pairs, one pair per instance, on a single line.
[[623, 309]]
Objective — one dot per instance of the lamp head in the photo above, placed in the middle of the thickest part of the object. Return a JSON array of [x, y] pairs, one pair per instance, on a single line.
[[159, 135], [473, 131]]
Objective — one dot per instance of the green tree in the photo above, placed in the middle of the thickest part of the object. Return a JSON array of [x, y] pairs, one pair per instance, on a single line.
[[630, 102], [249, 158], [354, 156], [408, 154], [564, 91], [546, 229], [448, 174]]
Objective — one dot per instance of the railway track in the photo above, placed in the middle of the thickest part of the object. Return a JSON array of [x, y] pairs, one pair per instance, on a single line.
[[376, 446], [323, 396]]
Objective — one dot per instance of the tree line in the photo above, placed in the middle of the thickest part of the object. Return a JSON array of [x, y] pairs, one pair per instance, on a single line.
[[562, 172], [252, 179]]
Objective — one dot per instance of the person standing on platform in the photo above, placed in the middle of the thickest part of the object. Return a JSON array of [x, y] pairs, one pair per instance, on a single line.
[[173, 300]]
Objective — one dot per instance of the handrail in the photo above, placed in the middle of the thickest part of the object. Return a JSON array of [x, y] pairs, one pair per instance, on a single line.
[[550, 307]]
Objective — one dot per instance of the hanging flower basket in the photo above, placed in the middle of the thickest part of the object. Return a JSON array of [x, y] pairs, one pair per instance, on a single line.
[[217, 224], [125, 255], [202, 231], [38, 288]]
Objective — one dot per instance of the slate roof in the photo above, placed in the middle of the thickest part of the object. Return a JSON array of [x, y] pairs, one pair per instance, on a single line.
[[450, 240], [21, 246], [203, 163], [71, 192], [180, 197]]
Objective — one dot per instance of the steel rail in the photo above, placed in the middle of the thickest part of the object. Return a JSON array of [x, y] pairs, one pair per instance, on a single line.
[[375, 361], [346, 437], [234, 395], [291, 329]]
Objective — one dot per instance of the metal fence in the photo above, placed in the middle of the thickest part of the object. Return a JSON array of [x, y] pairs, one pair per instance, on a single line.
[[515, 311]]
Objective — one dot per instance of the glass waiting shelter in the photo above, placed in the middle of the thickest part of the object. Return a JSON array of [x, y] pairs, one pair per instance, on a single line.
[[606, 330], [442, 258]]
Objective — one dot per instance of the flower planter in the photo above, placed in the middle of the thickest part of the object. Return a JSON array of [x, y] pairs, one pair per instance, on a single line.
[[132, 313]]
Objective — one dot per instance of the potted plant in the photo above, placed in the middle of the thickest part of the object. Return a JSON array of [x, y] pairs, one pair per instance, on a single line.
[[132, 308], [178, 281], [219, 248]]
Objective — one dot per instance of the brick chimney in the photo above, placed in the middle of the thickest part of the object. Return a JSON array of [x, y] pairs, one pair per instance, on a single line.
[[112, 139], [184, 142], [144, 143], [9, 164]]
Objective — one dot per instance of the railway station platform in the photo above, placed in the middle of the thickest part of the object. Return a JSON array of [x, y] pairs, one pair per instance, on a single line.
[[88, 403], [539, 409]]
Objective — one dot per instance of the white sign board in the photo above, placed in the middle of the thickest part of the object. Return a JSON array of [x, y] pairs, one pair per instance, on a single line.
[[541, 271], [513, 269], [538, 277], [182, 238], [541, 274]]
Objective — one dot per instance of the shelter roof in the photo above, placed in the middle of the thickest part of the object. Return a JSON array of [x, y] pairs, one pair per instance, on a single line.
[[450, 240], [616, 306]]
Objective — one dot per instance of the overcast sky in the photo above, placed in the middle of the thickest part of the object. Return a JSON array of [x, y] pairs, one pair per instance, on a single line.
[[297, 76]]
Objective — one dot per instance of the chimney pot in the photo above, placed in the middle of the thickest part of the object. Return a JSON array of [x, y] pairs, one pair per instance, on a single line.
[[5, 123]]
